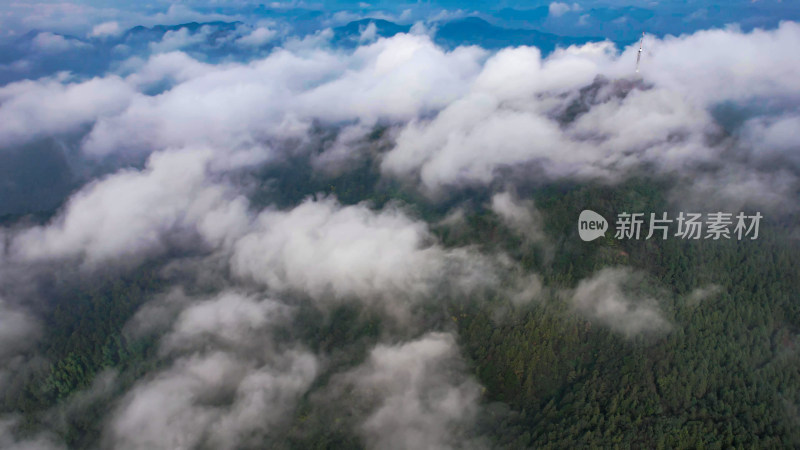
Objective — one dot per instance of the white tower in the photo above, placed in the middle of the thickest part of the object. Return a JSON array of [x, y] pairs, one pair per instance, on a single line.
[[639, 55]]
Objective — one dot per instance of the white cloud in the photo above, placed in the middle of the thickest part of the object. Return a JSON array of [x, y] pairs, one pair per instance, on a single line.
[[258, 37], [322, 248], [520, 216], [773, 137], [512, 117], [17, 330], [508, 104], [132, 213], [79, 18], [419, 395], [278, 97], [30, 109], [180, 38], [724, 65], [703, 293], [229, 318], [461, 120], [174, 67], [557, 9], [369, 33], [606, 297], [176, 408], [332, 252], [50, 42], [447, 15], [230, 385], [429, 77], [737, 186], [106, 29]]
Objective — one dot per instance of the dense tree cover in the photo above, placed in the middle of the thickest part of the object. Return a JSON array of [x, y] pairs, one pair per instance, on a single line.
[[83, 337], [725, 374]]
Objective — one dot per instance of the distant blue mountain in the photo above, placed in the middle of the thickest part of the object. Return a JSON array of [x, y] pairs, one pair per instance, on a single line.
[[348, 35], [623, 24], [466, 31], [158, 31], [476, 31], [507, 26]]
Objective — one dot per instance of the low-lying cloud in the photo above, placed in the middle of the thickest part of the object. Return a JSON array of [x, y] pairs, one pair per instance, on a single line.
[[133, 213], [419, 395], [610, 296], [228, 385]]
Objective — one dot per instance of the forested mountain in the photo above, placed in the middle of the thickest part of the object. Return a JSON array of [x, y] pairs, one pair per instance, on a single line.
[[725, 371], [291, 226]]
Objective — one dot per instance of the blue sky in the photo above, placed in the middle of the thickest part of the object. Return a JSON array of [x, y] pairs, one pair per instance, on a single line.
[[615, 19]]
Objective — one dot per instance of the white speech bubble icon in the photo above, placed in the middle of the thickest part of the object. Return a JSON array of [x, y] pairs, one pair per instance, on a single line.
[[591, 225]]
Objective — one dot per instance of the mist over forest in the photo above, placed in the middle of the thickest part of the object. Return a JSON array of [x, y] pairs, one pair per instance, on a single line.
[[298, 226]]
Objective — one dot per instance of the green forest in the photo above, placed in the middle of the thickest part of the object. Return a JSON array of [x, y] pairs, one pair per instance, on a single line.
[[724, 375]]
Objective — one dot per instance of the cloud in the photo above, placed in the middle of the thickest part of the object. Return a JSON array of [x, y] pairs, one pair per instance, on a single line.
[[557, 9], [172, 68], [258, 37], [229, 318], [578, 114], [50, 42], [499, 112], [418, 394], [18, 334], [225, 108], [724, 64], [383, 258], [63, 16], [625, 127], [369, 33], [773, 137], [448, 15], [132, 213], [52, 106], [106, 29], [352, 144], [228, 385], [703, 293], [737, 186], [16, 330], [184, 406], [453, 105], [520, 216], [41, 441], [324, 249], [180, 38], [430, 78], [80, 18], [607, 298], [461, 118]]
